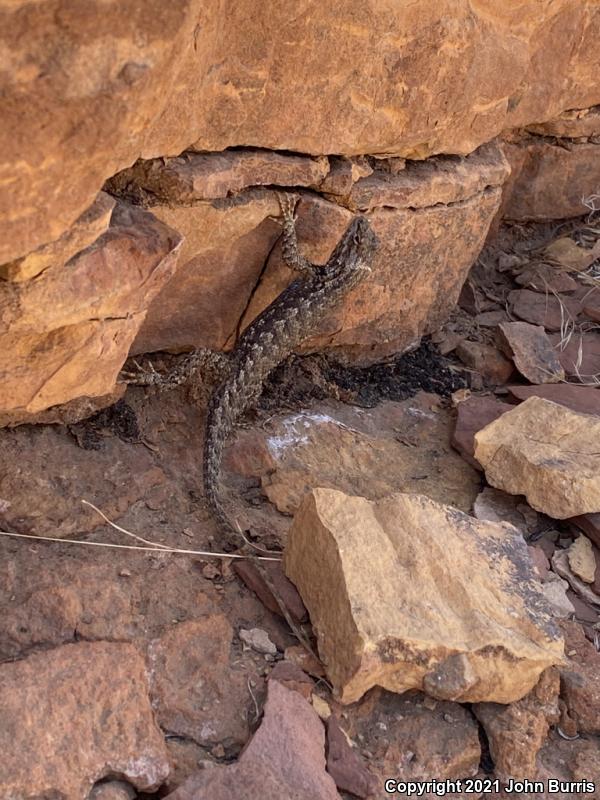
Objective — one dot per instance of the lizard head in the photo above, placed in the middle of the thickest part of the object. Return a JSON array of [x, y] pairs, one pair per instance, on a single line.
[[356, 248]]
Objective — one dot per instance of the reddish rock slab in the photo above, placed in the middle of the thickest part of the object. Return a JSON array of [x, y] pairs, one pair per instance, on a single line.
[[590, 525], [210, 176], [549, 181], [195, 693], [546, 310], [285, 758], [485, 359], [531, 350], [544, 278], [474, 414], [580, 356], [345, 765], [91, 702], [584, 399], [580, 680], [541, 562], [292, 677], [571, 124], [285, 588], [516, 732]]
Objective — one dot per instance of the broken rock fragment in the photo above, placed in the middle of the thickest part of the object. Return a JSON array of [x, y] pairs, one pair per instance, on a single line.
[[74, 715], [406, 593], [286, 758], [546, 452], [532, 351]]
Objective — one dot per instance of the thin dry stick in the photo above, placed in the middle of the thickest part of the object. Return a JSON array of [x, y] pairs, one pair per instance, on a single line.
[[123, 530], [161, 549]]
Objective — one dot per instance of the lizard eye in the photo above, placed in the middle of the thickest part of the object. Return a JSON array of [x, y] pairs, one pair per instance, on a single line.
[[356, 238]]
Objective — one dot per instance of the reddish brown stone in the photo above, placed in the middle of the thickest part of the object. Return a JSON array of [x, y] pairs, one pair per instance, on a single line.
[[580, 680], [540, 561], [285, 758], [474, 414], [344, 764], [292, 677], [485, 359], [584, 399], [580, 356], [516, 732], [285, 588], [531, 350], [544, 278], [195, 693], [548, 311], [590, 525], [91, 702]]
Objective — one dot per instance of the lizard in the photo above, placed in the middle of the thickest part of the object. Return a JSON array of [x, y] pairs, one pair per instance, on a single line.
[[267, 341]]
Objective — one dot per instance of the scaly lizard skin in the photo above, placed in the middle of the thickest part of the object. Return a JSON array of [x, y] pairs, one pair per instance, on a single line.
[[269, 340], [277, 332]]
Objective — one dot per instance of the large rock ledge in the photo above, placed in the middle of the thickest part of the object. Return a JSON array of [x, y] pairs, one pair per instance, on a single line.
[[152, 79]]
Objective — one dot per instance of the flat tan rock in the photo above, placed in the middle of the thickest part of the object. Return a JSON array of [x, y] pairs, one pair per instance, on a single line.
[[532, 351], [546, 452], [406, 593], [581, 559], [91, 702]]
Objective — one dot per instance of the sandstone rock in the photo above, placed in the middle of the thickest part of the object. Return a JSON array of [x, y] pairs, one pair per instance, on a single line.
[[532, 352], [112, 790], [549, 181], [561, 566], [305, 660], [580, 356], [285, 588], [210, 176], [567, 254], [363, 643], [444, 179], [493, 505], [285, 758], [90, 700], [221, 260], [548, 311], [555, 593], [580, 680], [191, 74], [546, 452], [292, 677], [67, 333], [344, 764], [571, 124], [360, 452], [516, 732], [389, 311], [485, 359], [545, 278], [84, 231], [474, 414], [540, 560], [581, 559], [258, 640], [584, 399], [195, 693], [590, 525], [344, 172]]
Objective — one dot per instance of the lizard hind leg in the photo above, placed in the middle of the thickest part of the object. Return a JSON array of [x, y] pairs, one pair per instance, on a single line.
[[289, 250], [203, 365]]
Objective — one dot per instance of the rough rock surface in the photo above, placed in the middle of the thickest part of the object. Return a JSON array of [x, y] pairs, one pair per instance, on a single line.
[[581, 559], [485, 359], [285, 758], [363, 638], [516, 732], [584, 399], [345, 765], [546, 452], [532, 352], [91, 701], [472, 415], [549, 180], [189, 701], [66, 333], [580, 680], [441, 78]]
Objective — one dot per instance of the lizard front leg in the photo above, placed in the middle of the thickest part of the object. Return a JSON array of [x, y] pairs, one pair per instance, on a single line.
[[290, 252]]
